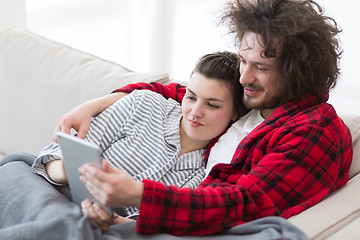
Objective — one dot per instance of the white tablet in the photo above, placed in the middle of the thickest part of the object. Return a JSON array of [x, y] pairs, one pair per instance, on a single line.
[[76, 152]]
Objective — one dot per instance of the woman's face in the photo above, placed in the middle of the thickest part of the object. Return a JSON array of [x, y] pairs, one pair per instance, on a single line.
[[207, 107]]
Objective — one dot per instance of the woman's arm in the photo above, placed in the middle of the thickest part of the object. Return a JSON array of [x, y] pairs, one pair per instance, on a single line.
[[80, 117], [56, 171]]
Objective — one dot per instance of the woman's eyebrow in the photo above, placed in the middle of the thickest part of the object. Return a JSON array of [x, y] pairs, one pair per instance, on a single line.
[[188, 89], [208, 99]]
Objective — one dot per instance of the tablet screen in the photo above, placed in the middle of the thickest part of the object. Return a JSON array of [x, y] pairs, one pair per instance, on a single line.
[[76, 152]]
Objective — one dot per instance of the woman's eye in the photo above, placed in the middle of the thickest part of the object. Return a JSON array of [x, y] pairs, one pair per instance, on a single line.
[[191, 97], [213, 106]]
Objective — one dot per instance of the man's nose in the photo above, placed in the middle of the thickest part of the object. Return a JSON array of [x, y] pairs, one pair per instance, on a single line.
[[247, 75]]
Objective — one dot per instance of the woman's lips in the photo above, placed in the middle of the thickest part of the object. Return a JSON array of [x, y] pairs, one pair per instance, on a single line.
[[194, 123]]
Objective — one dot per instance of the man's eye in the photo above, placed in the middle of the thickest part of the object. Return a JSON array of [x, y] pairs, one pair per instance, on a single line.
[[260, 68]]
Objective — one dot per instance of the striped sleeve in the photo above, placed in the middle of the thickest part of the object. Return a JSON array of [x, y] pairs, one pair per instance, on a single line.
[[104, 128], [128, 131], [47, 154]]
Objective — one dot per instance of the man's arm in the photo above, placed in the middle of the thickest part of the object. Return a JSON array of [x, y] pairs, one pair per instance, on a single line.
[[173, 90], [300, 170], [80, 117]]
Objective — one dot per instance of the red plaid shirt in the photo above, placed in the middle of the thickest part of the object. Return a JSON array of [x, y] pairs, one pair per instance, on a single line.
[[290, 162]]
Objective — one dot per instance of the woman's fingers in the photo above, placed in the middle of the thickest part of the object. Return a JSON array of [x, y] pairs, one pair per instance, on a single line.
[[97, 216]]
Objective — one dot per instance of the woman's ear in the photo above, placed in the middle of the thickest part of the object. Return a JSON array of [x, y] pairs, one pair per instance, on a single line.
[[235, 117]]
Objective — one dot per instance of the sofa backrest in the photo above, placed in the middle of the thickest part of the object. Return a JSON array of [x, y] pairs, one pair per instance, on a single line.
[[40, 80]]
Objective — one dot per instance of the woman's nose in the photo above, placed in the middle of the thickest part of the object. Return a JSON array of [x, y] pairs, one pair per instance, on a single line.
[[197, 110]]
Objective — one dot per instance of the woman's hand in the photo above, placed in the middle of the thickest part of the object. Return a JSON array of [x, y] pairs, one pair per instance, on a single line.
[[80, 117], [99, 217], [111, 186]]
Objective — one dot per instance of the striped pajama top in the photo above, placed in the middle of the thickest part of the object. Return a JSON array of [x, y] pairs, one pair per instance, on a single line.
[[140, 134]]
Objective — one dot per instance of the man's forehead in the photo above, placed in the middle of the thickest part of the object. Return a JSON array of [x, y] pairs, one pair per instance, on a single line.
[[250, 40], [247, 43], [253, 42]]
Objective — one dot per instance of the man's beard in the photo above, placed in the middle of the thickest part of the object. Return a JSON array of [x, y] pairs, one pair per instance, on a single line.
[[269, 102]]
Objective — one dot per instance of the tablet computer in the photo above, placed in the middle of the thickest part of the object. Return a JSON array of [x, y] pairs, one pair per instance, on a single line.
[[76, 152]]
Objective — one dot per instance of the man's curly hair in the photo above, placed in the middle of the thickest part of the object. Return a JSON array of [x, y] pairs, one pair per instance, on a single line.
[[309, 46]]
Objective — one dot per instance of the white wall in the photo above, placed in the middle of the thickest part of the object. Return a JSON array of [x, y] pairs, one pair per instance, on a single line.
[[136, 33], [12, 14], [346, 96], [123, 31]]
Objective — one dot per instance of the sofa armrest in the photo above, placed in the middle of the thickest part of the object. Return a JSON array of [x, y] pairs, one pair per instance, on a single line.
[[333, 213]]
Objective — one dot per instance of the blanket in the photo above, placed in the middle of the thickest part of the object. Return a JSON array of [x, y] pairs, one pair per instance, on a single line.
[[32, 208]]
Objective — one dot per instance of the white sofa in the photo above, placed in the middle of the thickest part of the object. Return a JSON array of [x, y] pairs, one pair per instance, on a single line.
[[41, 79]]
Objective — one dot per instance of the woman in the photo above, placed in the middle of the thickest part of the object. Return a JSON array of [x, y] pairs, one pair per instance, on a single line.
[[152, 138]]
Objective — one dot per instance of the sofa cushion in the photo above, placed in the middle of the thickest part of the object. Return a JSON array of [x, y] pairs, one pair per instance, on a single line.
[[41, 80]]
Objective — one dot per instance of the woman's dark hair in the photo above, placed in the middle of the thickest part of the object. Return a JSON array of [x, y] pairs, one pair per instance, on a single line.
[[309, 48], [224, 67]]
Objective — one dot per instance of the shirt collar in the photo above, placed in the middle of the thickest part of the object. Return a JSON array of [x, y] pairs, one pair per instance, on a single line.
[[191, 160], [172, 124]]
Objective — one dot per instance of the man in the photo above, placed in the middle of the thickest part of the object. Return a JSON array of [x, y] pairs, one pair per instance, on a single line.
[[291, 149]]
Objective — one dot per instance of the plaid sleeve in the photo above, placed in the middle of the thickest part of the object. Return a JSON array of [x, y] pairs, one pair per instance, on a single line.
[[168, 209], [173, 90], [185, 211]]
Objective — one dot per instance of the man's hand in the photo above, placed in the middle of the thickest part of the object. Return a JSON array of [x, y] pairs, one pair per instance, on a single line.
[[111, 186]]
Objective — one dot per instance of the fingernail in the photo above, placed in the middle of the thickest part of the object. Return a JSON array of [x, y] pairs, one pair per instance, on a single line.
[[82, 179]]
